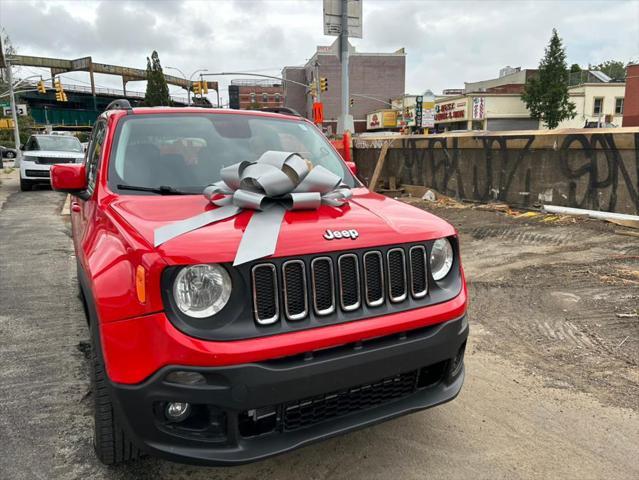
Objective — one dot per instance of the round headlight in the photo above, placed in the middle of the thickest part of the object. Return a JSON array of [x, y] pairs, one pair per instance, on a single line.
[[202, 290], [441, 258]]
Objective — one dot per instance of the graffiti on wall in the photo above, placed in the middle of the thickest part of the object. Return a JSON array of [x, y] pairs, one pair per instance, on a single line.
[[584, 170]]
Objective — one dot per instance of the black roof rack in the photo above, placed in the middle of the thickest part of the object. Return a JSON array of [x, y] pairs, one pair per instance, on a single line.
[[119, 104], [282, 110]]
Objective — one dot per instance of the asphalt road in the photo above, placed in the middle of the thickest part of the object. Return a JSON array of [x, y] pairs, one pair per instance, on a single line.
[[547, 395]]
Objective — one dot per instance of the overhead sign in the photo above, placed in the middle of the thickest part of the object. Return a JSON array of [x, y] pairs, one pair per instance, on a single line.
[[21, 109], [333, 18], [479, 108], [451, 111]]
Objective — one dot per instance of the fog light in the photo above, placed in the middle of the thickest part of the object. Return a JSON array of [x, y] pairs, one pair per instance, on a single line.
[[177, 411]]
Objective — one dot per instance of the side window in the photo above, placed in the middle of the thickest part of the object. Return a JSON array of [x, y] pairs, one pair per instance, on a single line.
[[93, 155], [32, 144]]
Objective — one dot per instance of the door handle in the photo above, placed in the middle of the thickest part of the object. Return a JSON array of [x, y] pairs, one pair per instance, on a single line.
[[75, 207]]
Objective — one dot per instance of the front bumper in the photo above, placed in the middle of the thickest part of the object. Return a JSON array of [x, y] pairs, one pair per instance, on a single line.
[[243, 413], [35, 172]]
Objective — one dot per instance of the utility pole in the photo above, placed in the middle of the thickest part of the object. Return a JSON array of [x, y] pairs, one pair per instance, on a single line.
[[14, 115], [345, 121]]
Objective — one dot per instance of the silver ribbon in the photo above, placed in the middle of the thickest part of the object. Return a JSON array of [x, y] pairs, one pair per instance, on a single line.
[[276, 182]]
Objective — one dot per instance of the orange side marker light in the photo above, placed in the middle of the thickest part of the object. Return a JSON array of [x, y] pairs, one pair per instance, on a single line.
[[140, 283]]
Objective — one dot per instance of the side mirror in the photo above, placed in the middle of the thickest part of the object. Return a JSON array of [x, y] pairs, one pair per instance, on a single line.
[[352, 166], [22, 146], [69, 177]]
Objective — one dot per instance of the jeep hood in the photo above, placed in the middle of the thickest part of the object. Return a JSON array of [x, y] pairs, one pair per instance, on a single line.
[[379, 220]]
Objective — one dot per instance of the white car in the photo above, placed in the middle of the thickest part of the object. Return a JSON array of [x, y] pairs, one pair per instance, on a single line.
[[42, 151]]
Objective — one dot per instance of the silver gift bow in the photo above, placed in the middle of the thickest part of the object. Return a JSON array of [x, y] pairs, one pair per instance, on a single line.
[[276, 182]]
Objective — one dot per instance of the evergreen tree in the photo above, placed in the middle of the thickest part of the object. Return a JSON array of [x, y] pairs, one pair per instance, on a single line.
[[546, 95], [157, 90]]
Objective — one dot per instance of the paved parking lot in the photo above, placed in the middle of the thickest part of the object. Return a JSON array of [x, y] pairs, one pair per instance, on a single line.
[[552, 387]]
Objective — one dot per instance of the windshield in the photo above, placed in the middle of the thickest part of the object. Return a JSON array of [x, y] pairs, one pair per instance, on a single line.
[[59, 144], [187, 152]]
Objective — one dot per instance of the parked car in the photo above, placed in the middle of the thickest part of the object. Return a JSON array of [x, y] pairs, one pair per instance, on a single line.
[[358, 316], [41, 152], [8, 153]]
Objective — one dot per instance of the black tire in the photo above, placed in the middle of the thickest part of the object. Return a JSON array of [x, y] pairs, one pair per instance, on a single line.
[[25, 185], [10, 155], [111, 443]]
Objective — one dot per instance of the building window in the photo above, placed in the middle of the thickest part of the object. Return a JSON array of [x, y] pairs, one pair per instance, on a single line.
[[277, 97], [252, 98], [265, 98], [619, 106], [598, 106]]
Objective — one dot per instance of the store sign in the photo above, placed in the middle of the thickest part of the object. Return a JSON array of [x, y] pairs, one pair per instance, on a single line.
[[450, 111], [384, 119], [418, 111], [479, 108]]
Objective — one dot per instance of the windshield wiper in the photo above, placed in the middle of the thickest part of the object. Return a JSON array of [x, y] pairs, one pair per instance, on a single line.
[[162, 189]]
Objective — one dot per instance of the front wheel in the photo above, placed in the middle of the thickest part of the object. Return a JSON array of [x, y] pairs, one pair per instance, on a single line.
[[25, 185], [111, 443]]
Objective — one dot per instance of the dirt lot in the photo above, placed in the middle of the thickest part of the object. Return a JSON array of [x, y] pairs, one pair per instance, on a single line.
[[552, 388]]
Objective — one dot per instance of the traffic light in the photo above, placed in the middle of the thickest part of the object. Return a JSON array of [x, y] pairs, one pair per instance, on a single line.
[[41, 87], [323, 84], [205, 87], [197, 88], [60, 96], [312, 86], [352, 102]]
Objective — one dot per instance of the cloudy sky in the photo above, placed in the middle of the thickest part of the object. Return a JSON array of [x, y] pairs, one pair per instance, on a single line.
[[447, 42]]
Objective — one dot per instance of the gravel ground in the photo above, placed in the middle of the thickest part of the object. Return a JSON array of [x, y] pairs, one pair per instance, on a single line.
[[552, 365]]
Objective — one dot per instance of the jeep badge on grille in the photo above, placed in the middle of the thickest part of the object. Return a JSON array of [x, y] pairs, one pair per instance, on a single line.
[[337, 234]]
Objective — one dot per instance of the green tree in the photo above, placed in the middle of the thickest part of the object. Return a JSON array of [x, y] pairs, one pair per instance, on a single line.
[[546, 95], [157, 90], [575, 68], [613, 68]]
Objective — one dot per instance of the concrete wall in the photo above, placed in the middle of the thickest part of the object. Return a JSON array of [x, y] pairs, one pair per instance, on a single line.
[[583, 168]]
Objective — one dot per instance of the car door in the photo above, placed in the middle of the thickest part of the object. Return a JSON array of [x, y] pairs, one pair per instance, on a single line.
[[83, 209]]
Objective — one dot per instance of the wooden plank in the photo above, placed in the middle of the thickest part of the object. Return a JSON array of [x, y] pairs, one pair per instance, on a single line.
[[379, 166]]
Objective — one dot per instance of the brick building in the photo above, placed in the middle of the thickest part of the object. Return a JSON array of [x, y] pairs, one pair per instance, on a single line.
[[257, 93], [378, 76], [630, 105]]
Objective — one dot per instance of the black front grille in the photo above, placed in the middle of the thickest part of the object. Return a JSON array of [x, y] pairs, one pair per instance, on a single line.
[[349, 281], [295, 298], [362, 281], [53, 160], [396, 275], [323, 285], [37, 173], [265, 304], [373, 278], [310, 411], [418, 271]]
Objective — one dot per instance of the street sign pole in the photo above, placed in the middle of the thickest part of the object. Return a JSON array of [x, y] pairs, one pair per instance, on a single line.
[[14, 115], [345, 120]]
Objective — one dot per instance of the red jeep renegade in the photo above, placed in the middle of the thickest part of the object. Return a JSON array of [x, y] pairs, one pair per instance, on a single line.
[[358, 316]]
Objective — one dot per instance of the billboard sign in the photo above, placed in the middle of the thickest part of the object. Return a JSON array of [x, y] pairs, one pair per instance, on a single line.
[[333, 18]]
